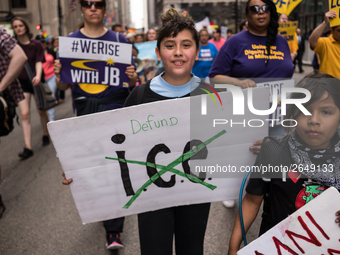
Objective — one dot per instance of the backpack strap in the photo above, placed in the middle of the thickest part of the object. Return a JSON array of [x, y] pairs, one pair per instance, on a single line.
[[140, 92]]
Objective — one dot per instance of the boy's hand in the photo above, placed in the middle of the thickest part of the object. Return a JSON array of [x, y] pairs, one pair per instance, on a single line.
[[66, 181], [337, 220], [256, 147]]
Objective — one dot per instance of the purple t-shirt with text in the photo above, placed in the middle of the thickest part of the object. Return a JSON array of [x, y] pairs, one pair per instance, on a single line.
[[244, 56]]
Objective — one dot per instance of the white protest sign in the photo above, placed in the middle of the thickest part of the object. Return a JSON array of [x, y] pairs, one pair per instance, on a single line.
[[276, 88], [93, 61], [81, 48], [224, 31], [135, 159], [205, 23], [310, 230]]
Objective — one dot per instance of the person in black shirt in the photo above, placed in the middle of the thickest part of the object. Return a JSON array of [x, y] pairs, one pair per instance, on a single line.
[[314, 143]]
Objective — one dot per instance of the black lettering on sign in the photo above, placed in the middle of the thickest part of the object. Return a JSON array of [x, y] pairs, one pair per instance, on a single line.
[[151, 158], [202, 154], [124, 169]]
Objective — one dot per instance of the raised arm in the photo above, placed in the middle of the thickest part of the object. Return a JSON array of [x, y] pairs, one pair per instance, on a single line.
[[313, 39], [18, 60]]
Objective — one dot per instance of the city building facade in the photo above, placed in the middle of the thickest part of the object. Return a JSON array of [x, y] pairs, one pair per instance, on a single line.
[[58, 17]]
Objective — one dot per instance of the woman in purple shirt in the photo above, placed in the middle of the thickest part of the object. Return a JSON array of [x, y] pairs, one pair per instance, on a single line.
[[254, 53]]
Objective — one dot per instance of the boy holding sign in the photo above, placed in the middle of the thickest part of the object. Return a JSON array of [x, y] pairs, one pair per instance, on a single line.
[[328, 48], [309, 157], [178, 48]]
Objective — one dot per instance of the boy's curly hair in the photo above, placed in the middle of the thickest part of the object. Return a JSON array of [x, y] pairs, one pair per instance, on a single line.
[[173, 23]]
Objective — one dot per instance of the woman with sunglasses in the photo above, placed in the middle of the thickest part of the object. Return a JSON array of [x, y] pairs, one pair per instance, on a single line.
[[254, 53], [91, 98], [35, 54]]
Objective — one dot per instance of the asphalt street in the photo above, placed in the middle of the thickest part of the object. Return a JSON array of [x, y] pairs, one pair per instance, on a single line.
[[41, 217]]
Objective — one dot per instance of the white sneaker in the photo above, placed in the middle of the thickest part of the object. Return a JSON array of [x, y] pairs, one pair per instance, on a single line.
[[229, 203]]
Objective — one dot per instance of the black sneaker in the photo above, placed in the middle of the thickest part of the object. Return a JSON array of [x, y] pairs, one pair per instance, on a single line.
[[25, 154], [45, 140], [2, 207], [113, 241]]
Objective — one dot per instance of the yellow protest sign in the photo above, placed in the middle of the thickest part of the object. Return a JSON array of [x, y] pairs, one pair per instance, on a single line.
[[288, 29], [334, 5], [292, 5], [287, 6]]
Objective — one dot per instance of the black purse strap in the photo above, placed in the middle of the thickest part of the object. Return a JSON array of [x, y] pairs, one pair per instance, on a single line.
[[29, 71]]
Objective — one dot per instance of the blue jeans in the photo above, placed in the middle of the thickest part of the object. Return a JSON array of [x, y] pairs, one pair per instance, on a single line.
[[53, 87]]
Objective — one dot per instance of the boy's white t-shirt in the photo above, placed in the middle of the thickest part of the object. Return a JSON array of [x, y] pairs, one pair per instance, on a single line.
[[163, 88]]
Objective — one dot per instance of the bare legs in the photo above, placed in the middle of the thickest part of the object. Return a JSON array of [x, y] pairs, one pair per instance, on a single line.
[[24, 106]]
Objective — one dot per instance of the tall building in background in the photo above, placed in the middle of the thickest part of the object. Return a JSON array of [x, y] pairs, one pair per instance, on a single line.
[[309, 13], [123, 12], [155, 9], [59, 16], [221, 13]]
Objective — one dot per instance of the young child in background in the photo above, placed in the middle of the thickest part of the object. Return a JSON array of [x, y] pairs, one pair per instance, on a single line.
[[313, 144]]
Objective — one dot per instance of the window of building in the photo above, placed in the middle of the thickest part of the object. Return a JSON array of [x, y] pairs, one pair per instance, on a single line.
[[18, 4], [184, 6]]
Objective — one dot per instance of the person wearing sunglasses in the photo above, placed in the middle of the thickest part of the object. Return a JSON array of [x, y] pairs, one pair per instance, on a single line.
[[254, 53], [257, 52], [91, 98]]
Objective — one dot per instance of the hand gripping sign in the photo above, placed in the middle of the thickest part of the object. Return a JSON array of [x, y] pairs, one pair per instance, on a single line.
[[334, 5], [310, 230], [157, 155], [89, 61]]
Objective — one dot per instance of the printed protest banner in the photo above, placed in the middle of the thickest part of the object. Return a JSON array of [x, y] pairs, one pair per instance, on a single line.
[[136, 159], [286, 7], [291, 5], [334, 5], [288, 29], [146, 52], [92, 61], [276, 88], [310, 230]]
